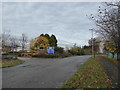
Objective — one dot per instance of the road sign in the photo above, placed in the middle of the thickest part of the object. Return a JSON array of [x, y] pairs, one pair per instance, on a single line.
[[14, 46], [38, 47], [50, 50]]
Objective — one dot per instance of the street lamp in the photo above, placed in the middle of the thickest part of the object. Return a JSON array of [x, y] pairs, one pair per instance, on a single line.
[[93, 53]]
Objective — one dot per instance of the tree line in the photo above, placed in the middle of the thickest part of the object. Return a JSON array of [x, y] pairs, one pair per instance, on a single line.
[[108, 26], [9, 42], [43, 41]]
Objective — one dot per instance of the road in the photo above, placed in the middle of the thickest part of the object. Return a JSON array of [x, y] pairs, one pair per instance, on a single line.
[[41, 73]]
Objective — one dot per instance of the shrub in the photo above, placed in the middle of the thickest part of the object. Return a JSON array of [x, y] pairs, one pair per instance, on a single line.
[[66, 54], [56, 55], [47, 55], [74, 52], [59, 50]]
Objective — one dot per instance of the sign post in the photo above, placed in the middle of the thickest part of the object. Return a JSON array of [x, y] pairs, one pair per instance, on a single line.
[[38, 49], [14, 46]]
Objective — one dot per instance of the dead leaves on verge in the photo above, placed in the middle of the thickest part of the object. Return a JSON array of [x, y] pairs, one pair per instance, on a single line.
[[90, 75]]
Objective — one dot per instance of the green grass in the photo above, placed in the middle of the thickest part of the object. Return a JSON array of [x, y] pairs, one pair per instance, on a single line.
[[10, 63], [108, 56], [111, 57], [90, 75]]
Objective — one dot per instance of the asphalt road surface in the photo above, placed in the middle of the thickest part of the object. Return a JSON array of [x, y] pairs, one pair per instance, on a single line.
[[41, 73]]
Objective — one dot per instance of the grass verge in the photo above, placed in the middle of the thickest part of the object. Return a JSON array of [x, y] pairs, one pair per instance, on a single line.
[[90, 75], [10, 62]]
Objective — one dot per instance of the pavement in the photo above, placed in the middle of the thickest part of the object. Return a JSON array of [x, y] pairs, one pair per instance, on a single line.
[[41, 73], [112, 70]]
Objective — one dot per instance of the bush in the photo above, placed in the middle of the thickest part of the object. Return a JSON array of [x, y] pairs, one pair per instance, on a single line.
[[47, 55], [59, 50], [74, 52], [66, 54], [56, 55], [13, 53]]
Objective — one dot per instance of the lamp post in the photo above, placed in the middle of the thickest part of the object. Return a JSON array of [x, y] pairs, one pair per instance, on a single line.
[[93, 53]]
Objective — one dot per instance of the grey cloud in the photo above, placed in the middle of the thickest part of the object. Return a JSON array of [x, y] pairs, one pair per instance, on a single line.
[[67, 21]]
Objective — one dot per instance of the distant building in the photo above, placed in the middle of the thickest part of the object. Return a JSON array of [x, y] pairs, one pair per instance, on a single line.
[[27, 48], [101, 44], [101, 47], [65, 47]]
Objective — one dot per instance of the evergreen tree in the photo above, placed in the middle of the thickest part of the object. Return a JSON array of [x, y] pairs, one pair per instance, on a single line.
[[42, 34], [53, 41], [47, 36]]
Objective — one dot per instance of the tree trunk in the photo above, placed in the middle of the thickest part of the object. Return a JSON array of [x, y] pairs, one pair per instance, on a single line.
[[113, 55], [118, 58]]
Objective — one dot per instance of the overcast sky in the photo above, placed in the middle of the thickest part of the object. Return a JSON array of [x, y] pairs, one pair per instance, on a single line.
[[66, 20]]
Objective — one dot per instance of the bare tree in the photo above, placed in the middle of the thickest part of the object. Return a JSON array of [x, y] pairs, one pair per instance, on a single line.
[[108, 23], [8, 41], [23, 41], [14, 43], [5, 40]]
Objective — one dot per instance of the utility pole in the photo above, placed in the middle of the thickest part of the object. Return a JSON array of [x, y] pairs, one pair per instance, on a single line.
[[23, 42], [93, 54], [94, 47]]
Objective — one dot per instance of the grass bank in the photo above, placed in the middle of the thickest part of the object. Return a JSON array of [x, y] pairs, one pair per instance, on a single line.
[[90, 75], [9, 63]]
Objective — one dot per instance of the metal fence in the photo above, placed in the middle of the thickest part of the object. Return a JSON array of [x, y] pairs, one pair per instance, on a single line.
[[9, 56], [115, 55]]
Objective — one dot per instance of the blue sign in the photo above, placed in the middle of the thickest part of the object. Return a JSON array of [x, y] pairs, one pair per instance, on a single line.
[[14, 46], [50, 50]]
